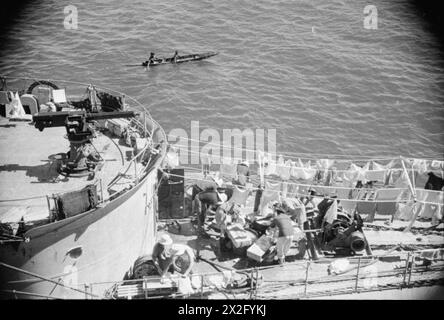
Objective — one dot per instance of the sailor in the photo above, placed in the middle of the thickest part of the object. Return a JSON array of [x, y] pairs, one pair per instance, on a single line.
[[169, 256], [208, 200], [308, 201], [243, 173], [174, 58], [284, 234]]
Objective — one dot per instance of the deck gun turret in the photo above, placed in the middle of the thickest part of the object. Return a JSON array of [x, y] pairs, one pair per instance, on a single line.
[[82, 158]]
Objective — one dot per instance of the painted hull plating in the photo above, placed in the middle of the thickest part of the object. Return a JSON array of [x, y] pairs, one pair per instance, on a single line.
[[108, 240]]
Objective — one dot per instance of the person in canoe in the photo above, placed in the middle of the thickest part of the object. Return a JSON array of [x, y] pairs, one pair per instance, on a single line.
[[174, 58], [149, 61]]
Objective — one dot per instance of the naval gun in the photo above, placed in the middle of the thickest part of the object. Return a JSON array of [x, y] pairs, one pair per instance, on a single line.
[[342, 235], [82, 158]]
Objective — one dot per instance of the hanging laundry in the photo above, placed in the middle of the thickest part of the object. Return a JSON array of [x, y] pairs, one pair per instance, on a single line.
[[367, 206], [343, 195], [403, 180], [322, 166], [332, 212], [348, 206], [303, 171], [228, 169], [239, 196], [433, 207], [331, 177], [405, 211], [378, 172], [421, 179], [420, 165], [421, 197], [439, 213], [267, 197], [270, 165], [345, 177], [270, 185], [437, 165], [285, 171], [324, 163], [243, 172], [292, 190], [388, 178], [284, 189], [303, 190], [293, 172], [271, 193], [359, 173], [434, 182], [16, 106], [280, 165], [387, 208]]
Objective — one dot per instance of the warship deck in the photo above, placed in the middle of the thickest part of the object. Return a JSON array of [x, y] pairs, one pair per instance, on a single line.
[[29, 169]]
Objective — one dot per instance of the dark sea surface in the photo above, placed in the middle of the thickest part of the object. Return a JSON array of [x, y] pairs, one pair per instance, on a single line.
[[308, 69]]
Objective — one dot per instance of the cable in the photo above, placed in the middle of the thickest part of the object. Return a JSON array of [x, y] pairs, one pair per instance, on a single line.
[[300, 194], [300, 155]]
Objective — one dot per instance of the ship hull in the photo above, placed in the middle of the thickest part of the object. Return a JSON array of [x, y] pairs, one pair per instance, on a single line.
[[94, 247]]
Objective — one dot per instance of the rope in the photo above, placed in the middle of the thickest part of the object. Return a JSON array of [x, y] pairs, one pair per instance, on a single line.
[[328, 197], [316, 167], [306, 155], [22, 199], [44, 278]]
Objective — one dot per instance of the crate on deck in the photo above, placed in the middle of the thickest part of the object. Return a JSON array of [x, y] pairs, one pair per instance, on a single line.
[[239, 236], [260, 248]]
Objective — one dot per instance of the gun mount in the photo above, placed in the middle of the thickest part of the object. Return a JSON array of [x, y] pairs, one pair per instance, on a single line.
[[82, 158], [344, 234]]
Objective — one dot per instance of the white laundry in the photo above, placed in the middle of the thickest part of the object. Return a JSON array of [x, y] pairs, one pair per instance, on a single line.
[[16, 106], [332, 212], [270, 165], [285, 173], [303, 171], [420, 165], [357, 173]]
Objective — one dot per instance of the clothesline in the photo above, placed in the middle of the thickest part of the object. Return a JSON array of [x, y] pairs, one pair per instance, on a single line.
[[301, 184], [310, 156], [316, 167], [319, 186], [324, 196]]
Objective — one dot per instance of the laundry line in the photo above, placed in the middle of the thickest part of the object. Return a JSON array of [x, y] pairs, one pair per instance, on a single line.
[[322, 196], [316, 167], [309, 156]]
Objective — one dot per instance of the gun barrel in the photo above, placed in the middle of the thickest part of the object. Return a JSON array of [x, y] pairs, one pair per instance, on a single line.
[[58, 119], [110, 115]]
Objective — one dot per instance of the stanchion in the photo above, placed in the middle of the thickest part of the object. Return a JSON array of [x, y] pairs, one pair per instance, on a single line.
[[306, 277], [86, 291], [405, 269], [411, 268], [357, 274]]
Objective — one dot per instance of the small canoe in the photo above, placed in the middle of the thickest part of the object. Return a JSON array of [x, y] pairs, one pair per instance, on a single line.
[[181, 59]]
